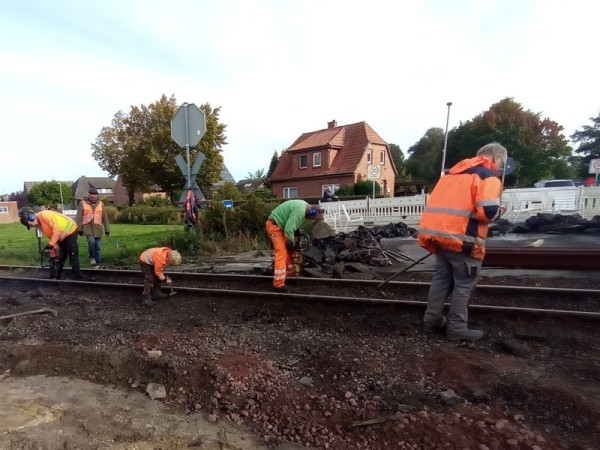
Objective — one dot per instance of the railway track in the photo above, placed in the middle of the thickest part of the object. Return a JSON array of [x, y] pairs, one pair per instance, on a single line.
[[546, 301]]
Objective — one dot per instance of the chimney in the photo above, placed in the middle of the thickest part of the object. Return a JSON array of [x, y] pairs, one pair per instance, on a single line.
[[332, 124]]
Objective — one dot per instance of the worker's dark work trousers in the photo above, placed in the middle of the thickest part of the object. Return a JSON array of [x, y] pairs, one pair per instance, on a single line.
[[151, 281], [70, 250], [456, 276]]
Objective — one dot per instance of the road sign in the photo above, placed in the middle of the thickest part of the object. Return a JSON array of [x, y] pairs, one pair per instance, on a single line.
[[188, 125], [594, 166], [373, 172]]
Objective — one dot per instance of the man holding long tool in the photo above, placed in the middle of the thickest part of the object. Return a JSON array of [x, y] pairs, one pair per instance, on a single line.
[[454, 226], [61, 232], [281, 227]]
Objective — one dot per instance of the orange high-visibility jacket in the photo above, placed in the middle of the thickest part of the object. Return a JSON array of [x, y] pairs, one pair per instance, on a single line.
[[156, 257], [92, 214], [55, 226], [459, 209]]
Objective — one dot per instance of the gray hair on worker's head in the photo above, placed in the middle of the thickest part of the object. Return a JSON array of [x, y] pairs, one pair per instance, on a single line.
[[495, 151]]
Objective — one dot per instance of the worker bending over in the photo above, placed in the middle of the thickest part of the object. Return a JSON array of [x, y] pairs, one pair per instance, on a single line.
[[153, 262], [281, 226], [61, 232]]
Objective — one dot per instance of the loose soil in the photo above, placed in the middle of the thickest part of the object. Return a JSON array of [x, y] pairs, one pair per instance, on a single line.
[[249, 374]]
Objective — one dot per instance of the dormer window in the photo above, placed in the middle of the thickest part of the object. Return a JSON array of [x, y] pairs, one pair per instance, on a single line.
[[303, 161]]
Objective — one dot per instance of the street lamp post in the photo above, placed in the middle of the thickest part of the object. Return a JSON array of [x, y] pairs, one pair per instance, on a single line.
[[449, 104], [62, 206]]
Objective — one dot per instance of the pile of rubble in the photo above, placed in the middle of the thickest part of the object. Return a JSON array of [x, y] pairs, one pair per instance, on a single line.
[[350, 254], [550, 224]]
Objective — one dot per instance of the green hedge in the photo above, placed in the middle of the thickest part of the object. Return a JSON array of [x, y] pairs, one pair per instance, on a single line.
[[150, 215]]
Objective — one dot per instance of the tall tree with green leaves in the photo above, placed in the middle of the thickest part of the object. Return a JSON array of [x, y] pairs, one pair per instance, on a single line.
[[588, 139], [50, 194], [425, 157], [138, 147], [256, 175], [537, 145]]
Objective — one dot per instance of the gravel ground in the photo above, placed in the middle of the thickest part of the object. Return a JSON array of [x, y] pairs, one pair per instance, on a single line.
[[313, 375]]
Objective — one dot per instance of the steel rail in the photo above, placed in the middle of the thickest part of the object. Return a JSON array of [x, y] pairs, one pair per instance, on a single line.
[[323, 281], [318, 298]]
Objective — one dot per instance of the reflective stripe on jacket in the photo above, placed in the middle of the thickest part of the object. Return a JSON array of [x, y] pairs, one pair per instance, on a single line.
[[460, 208], [55, 226], [156, 257]]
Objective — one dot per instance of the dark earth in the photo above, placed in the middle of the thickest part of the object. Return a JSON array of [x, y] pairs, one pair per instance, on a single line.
[[246, 374]]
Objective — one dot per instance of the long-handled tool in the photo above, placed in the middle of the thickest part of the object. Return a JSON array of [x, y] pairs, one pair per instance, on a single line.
[[35, 311], [403, 270]]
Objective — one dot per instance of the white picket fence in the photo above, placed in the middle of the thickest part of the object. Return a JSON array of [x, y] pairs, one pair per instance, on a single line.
[[520, 204]]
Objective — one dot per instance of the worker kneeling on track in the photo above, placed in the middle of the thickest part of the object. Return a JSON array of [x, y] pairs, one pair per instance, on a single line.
[[61, 232], [454, 227], [281, 227], [153, 262]]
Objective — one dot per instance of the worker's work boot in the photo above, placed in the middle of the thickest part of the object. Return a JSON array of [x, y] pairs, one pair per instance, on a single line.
[[157, 295], [467, 335], [147, 302], [282, 289], [92, 262], [432, 328]]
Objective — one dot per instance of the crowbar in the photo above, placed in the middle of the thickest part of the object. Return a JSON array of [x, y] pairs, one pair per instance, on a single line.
[[170, 284], [403, 270], [34, 311]]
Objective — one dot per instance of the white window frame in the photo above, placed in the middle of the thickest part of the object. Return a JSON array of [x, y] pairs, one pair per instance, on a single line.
[[332, 188], [382, 157], [288, 191], [305, 166], [317, 155], [369, 156]]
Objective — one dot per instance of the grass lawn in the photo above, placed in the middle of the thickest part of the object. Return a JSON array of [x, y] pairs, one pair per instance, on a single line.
[[122, 248]]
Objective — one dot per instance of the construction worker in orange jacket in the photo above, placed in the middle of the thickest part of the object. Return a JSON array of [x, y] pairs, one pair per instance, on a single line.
[[283, 222], [153, 262], [454, 226], [61, 232], [92, 223]]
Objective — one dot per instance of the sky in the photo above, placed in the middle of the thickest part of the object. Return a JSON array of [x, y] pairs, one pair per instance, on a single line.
[[279, 68]]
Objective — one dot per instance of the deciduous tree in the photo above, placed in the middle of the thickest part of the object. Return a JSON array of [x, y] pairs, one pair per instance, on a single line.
[[138, 147], [537, 145], [588, 139], [48, 194]]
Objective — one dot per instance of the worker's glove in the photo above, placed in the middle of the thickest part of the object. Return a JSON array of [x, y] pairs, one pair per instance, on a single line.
[[49, 247], [294, 245], [107, 233], [168, 280], [80, 233]]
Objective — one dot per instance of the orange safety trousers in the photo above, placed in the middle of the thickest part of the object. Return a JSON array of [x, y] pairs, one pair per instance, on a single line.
[[283, 264]]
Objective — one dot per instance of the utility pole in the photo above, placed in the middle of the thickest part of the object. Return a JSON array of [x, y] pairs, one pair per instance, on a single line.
[[449, 104], [62, 205]]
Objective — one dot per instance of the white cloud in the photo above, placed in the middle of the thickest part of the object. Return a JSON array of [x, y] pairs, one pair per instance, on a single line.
[[278, 69]]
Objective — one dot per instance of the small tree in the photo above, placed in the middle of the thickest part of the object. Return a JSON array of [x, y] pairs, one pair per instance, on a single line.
[[48, 194]]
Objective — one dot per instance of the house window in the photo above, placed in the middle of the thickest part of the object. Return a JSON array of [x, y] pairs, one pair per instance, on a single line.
[[333, 188], [290, 192], [382, 157], [369, 156], [317, 159], [303, 161]]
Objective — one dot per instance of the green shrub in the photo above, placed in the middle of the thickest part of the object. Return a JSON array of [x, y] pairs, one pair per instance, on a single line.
[[142, 214], [246, 217], [111, 213]]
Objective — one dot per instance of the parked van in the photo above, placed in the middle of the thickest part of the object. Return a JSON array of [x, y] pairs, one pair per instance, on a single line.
[[554, 183]]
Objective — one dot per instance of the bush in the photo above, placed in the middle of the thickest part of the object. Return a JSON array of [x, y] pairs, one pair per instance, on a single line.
[[111, 213], [148, 215]]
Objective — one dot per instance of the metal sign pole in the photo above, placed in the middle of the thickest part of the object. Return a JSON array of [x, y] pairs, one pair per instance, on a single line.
[[449, 104], [187, 144]]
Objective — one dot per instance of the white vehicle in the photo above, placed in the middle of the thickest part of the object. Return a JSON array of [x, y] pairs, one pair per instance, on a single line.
[[554, 183]]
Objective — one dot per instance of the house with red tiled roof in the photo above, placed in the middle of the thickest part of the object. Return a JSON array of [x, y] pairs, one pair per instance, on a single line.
[[331, 158]]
